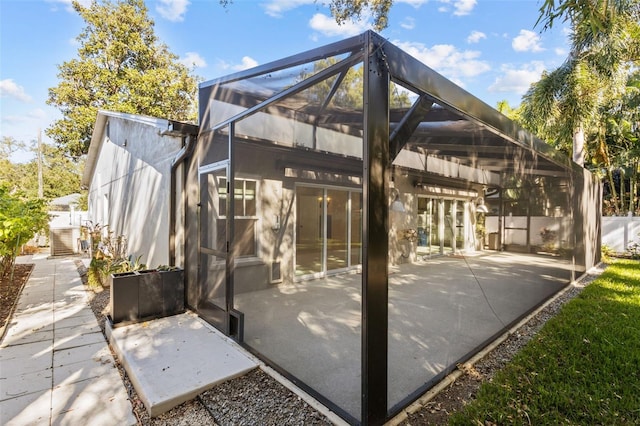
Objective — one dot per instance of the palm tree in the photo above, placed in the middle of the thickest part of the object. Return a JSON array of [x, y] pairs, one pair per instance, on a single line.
[[619, 143], [564, 104]]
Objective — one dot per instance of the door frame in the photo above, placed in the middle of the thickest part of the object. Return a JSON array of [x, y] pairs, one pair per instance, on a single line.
[[225, 318]]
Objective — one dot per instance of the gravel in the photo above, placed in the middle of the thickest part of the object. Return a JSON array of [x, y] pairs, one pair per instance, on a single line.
[[253, 399], [257, 398]]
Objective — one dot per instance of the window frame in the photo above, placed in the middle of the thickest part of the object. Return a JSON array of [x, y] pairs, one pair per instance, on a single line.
[[242, 216]]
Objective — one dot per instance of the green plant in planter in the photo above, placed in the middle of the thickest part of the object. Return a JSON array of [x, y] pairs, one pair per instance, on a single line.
[[167, 268], [108, 256], [129, 264]]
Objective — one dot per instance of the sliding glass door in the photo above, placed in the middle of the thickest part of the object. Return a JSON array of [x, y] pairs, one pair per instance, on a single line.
[[309, 230], [441, 226], [328, 228]]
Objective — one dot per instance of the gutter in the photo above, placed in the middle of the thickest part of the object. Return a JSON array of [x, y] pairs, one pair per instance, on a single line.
[[189, 133]]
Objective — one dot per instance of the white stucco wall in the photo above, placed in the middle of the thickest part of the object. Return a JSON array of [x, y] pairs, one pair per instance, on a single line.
[[130, 184]]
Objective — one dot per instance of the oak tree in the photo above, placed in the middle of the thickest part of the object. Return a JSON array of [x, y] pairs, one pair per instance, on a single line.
[[121, 66]]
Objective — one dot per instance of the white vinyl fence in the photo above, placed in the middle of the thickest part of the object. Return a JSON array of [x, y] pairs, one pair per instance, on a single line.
[[618, 232]]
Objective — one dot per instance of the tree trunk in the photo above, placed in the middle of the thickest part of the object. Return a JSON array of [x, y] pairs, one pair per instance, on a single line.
[[614, 194], [622, 191], [578, 145], [633, 184]]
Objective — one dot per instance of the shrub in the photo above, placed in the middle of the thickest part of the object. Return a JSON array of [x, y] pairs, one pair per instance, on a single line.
[[20, 219], [607, 253]]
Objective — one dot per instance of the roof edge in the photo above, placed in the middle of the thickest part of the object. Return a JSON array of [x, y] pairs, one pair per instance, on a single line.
[[168, 127], [94, 149]]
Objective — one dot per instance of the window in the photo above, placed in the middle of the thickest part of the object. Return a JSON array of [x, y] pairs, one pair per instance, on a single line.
[[245, 215]]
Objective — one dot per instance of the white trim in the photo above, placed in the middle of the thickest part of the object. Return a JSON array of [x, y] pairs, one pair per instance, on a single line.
[[213, 167]]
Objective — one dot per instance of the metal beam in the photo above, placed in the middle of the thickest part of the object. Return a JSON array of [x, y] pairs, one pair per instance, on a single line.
[[350, 45], [408, 125], [375, 250], [304, 84], [422, 79], [230, 229]]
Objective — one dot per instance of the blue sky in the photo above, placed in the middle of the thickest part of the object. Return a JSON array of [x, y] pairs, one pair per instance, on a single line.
[[489, 47]]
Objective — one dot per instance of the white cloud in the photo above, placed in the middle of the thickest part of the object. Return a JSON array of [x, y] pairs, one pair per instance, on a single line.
[[409, 23], [460, 7], [193, 60], [9, 88], [414, 3], [447, 60], [328, 26], [13, 119], [172, 10], [276, 8], [561, 51], [476, 36], [35, 117], [246, 63], [527, 41], [69, 6], [37, 114], [463, 7], [517, 80]]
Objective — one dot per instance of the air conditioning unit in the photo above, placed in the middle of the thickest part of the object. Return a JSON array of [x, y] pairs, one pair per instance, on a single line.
[[62, 241]]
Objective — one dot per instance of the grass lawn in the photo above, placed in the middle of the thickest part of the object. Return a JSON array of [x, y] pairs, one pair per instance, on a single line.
[[583, 368]]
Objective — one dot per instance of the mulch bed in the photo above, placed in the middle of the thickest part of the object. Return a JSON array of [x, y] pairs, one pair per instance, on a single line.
[[10, 290]]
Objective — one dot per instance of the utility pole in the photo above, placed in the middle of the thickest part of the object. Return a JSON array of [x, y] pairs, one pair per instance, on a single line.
[[40, 183]]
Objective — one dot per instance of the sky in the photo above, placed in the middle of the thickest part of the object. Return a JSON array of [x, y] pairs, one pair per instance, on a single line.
[[491, 48]]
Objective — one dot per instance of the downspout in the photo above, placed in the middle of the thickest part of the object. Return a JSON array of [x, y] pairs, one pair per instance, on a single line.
[[185, 151]]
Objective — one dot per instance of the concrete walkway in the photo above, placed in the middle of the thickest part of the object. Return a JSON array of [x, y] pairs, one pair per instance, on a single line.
[[55, 365], [173, 359]]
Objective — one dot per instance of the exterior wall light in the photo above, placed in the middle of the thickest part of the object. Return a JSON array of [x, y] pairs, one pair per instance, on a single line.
[[396, 205], [480, 206], [276, 225]]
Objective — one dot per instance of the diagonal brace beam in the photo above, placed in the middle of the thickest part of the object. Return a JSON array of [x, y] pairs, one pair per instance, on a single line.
[[409, 123], [296, 88]]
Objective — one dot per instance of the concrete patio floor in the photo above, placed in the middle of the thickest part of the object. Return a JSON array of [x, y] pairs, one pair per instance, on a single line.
[[440, 310]]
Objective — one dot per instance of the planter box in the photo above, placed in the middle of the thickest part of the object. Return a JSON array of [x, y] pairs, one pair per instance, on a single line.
[[172, 292], [143, 295], [123, 288], [150, 304]]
